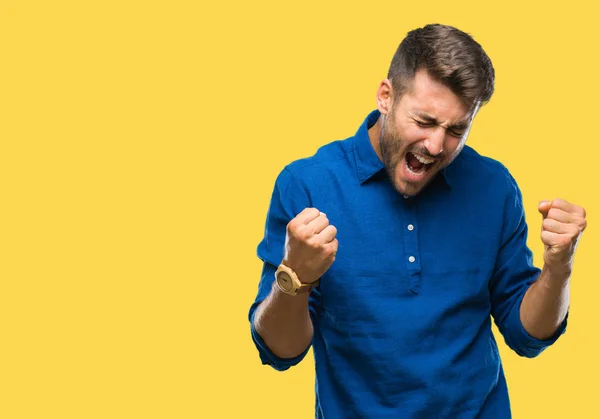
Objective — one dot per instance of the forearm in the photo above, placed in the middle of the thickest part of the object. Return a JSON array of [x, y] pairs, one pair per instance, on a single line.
[[283, 321], [545, 304]]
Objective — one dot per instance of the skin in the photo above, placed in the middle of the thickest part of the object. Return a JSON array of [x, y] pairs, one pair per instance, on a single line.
[[428, 120], [546, 302], [433, 122], [282, 320]]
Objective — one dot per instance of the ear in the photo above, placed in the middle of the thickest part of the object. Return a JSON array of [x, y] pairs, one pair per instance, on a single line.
[[385, 96]]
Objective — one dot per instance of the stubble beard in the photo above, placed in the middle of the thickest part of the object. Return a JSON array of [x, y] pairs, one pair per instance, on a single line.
[[391, 146], [393, 149]]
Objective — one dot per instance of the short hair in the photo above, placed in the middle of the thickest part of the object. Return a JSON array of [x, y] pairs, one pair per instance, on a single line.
[[450, 56]]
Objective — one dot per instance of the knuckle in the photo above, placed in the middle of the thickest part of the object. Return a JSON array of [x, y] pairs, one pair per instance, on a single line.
[[292, 225], [314, 244], [295, 231], [305, 236], [302, 236]]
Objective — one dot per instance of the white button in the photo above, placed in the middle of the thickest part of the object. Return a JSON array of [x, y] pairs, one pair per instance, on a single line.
[[411, 259], [411, 227], [405, 196]]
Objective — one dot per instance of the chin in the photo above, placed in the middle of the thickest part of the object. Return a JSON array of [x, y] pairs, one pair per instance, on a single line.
[[404, 187], [410, 191]]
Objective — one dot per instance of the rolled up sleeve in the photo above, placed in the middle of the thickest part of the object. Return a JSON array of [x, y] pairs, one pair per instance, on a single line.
[[513, 275], [288, 199], [267, 356]]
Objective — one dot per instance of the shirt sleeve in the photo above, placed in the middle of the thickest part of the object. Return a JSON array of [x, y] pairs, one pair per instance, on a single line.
[[513, 274], [288, 199]]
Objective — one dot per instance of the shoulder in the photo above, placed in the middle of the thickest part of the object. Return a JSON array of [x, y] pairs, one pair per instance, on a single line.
[[476, 171], [328, 155], [331, 159], [299, 179]]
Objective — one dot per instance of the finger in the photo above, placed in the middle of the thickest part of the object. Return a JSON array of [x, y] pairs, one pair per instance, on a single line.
[[318, 224], [328, 234], [568, 207], [554, 226], [555, 239], [562, 216], [307, 215], [544, 207], [331, 247]]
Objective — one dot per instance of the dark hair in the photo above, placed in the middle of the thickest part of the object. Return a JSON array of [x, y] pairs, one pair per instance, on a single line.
[[450, 56]]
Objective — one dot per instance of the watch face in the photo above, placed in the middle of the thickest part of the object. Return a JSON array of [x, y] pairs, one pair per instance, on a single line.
[[285, 281]]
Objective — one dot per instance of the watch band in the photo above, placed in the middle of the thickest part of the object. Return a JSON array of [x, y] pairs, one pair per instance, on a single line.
[[307, 287]]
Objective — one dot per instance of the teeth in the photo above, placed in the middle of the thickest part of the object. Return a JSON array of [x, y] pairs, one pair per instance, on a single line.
[[422, 159]]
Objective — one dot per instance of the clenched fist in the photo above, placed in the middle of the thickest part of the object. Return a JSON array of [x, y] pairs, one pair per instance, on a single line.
[[561, 229], [310, 245]]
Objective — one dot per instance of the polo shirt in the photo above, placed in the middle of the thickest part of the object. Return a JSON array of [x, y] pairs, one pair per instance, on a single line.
[[402, 319]]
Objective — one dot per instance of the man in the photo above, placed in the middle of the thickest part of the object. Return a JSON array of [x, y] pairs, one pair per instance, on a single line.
[[432, 241]]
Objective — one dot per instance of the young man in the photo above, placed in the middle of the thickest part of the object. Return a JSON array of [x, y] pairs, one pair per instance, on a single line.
[[432, 241]]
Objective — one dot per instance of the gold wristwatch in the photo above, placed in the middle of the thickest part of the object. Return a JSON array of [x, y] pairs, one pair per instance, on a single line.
[[288, 281]]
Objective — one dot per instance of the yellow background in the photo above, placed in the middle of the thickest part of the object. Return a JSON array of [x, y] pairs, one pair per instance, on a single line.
[[139, 143]]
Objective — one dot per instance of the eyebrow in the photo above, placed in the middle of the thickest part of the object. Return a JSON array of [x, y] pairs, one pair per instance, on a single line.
[[427, 118]]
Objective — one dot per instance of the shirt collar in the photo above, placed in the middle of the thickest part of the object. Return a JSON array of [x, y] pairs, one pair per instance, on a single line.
[[367, 161]]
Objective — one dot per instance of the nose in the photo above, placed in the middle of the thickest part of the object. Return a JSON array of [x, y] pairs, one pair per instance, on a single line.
[[435, 141]]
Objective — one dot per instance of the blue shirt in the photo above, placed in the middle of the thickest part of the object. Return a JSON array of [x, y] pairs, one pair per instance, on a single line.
[[402, 325]]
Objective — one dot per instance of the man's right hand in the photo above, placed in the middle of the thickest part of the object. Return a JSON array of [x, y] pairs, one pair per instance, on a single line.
[[310, 245]]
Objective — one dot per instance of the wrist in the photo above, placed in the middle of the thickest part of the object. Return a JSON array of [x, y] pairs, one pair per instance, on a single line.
[[289, 283], [302, 276], [556, 275], [278, 293]]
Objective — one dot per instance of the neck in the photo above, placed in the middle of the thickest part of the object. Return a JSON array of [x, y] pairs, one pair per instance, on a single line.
[[374, 133]]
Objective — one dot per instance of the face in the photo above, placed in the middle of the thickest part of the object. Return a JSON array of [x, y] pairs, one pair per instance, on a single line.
[[423, 131]]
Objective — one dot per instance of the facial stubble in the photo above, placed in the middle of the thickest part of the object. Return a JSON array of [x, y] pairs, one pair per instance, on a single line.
[[393, 149]]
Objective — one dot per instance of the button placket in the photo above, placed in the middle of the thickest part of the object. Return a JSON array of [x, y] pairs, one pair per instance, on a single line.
[[411, 248]]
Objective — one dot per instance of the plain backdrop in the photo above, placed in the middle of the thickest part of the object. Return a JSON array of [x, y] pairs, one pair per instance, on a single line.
[[139, 144]]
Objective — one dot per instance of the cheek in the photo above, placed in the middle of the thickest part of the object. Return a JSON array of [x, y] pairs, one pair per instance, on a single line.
[[453, 144], [411, 134], [453, 147]]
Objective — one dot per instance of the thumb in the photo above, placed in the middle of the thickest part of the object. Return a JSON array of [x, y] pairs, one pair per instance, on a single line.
[[544, 207]]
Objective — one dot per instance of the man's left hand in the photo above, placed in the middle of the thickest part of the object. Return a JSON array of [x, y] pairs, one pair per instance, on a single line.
[[562, 227]]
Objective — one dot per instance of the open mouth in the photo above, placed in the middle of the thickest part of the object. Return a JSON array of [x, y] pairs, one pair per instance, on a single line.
[[417, 165]]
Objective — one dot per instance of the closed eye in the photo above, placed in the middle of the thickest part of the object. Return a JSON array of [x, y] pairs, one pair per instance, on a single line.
[[456, 134], [424, 124]]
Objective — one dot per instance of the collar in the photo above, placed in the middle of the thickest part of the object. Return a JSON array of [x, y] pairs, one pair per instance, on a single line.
[[367, 161]]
